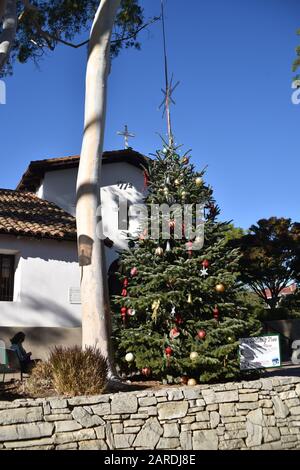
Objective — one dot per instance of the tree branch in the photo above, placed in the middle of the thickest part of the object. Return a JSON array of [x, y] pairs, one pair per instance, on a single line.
[[114, 41], [2, 8], [8, 34]]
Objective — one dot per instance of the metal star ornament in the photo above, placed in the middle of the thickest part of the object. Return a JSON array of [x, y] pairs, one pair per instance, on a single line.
[[204, 272], [168, 92]]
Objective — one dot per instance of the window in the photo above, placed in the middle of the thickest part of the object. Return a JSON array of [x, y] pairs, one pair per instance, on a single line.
[[7, 265]]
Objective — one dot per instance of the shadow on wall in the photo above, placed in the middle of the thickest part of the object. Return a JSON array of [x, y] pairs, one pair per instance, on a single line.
[[59, 314], [40, 340]]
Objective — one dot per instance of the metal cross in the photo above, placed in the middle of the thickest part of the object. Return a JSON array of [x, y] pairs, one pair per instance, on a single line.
[[126, 134]]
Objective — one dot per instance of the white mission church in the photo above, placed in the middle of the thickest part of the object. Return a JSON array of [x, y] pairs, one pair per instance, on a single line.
[[39, 272]]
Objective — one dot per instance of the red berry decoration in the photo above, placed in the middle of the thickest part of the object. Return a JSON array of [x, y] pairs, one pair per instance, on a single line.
[[205, 263], [201, 334], [146, 371], [178, 319], [124, 293], [123, 313], [125, 282], [216, 313], [133, 271]]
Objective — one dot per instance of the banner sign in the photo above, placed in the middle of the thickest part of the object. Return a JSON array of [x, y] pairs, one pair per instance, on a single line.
[[259, 352]]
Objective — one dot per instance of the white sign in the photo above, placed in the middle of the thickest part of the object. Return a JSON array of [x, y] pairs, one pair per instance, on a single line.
[[2, 352], [74, 295], [259, 352]]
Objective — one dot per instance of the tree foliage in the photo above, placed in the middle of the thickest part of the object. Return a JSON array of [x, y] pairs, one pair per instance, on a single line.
[[270, 257], [296, 63], [42, 25], [177, 304]]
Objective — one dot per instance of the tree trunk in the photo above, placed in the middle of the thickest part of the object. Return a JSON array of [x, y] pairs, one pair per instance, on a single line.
[[96, 321], [8, 10], [2, 8]]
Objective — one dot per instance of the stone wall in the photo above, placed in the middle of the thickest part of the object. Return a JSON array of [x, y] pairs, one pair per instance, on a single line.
[[262, 414]]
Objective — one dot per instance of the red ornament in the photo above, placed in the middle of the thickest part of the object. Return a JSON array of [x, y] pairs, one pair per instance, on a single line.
[[146, 371], [123, 313], [124, 293], [125, 282], [178, 319], [216, 313], [169, 351], [174, 333], [201, 334], [205, 263], [133, 271]]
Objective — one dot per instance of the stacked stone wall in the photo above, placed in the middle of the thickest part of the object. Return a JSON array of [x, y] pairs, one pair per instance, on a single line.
[[262, 414]]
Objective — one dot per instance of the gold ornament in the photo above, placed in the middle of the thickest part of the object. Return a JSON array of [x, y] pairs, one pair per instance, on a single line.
[[189, 299], [155, 307], [185, 160], [198, 181], [183, 194], [220, 288], [194, 355], [159, 251], [192, 382], [166, 191], [177, 182]]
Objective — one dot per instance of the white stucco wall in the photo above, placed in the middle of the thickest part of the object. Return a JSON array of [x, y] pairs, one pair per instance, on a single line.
[[45, 270], [60, 187]]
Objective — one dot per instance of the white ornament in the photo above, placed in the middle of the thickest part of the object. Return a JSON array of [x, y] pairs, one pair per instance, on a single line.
[[131, 312], [194, 355], [129, 357]]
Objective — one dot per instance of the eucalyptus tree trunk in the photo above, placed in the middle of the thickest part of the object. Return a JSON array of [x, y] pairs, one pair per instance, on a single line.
[[8, 17], [96, 319]]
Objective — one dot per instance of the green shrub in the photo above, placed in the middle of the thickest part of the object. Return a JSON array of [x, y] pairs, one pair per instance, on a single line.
[[70, 371]]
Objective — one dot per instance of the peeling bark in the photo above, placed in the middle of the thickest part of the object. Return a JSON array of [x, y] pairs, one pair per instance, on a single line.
[[8, 34], [94, 292]]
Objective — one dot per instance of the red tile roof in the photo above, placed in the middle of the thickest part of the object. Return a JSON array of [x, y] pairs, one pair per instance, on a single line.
[[25, 214], [34, 174]]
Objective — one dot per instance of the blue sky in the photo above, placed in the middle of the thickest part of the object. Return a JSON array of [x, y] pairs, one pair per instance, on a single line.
[[233, 106]]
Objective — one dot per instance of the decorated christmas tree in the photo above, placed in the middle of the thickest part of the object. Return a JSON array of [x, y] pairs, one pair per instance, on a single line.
[[177, 316]]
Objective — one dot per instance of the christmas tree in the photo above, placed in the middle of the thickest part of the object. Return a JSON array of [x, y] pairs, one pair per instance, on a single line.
[[177, 315]]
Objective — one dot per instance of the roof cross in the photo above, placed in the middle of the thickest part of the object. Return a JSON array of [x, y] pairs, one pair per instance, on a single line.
[[126, 134]]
